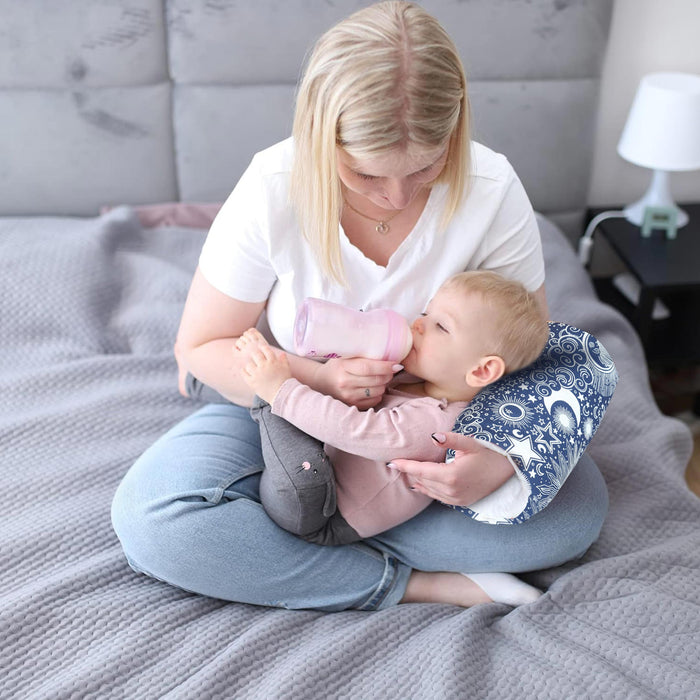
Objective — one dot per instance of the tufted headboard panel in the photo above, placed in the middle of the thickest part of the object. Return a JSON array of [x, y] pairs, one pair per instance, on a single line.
[[142, 101]]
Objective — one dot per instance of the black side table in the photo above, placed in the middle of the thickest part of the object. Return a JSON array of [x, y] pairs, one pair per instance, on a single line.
[[667, 269]]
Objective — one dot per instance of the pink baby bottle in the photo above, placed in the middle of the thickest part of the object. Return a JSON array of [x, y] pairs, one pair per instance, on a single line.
[[324, 329]]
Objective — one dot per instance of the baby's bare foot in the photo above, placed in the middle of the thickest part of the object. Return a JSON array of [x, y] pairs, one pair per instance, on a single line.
[[266, 371], [250, 340]]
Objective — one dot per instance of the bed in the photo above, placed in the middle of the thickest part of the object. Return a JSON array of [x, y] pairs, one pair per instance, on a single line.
[[123, 105]]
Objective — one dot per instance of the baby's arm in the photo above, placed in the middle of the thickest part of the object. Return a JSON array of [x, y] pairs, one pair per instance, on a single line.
[[377, 434]]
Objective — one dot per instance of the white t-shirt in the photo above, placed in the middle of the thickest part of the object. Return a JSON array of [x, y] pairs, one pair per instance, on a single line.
[[255, 250]]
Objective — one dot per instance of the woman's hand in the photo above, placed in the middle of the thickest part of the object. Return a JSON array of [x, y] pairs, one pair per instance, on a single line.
[[355, 381], [475, 472]]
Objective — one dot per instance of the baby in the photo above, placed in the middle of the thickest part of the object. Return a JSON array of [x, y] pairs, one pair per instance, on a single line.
[[478, 327]]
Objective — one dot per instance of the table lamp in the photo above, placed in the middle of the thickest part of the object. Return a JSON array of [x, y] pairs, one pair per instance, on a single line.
[[662, 133]]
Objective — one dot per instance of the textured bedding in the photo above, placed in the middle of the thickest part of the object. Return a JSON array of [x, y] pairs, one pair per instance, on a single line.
[[88, 314]]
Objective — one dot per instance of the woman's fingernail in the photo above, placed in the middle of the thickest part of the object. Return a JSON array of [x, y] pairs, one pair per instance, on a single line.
[[391, 465], [438, 437], [396, 368]]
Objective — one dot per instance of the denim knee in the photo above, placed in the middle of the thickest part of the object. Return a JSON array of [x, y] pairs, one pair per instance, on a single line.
[[135, 525], [587, 506]]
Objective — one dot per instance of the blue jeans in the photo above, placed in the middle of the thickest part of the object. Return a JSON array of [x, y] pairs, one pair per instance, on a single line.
[[188, 513]]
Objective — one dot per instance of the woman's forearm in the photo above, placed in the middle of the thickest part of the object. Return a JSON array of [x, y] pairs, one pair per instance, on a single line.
[[305, 370], [219, 365]]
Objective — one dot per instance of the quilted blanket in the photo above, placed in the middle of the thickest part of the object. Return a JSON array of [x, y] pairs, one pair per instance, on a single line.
[[88, 314]]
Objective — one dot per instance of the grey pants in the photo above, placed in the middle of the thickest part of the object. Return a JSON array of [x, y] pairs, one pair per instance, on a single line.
[[297, 486]]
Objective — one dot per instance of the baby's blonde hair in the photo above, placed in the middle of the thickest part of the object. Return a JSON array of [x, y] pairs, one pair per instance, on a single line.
[[520, 332], [385, 77]]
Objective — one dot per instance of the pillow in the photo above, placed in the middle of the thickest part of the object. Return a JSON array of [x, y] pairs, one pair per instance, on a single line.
[[542, 418], [182, 214]]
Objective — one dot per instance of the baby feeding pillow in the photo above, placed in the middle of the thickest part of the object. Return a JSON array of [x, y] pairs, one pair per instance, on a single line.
[[542, 418]]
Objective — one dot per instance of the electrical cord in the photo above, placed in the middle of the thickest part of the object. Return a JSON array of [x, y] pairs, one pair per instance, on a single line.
[[624, 281], [585, 243]]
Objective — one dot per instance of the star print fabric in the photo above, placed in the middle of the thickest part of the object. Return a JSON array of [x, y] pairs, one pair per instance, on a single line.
[[544, 415]]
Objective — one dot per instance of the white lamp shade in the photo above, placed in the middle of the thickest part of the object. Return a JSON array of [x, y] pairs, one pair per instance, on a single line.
[[663, 127]]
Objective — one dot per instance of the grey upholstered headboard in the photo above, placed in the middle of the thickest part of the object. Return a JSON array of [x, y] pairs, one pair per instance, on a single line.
[[142, 101]]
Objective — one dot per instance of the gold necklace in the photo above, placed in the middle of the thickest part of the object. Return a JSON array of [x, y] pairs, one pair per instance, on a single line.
[[382, 224]]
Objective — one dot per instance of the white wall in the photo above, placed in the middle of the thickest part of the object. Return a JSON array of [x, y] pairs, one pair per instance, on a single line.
[[646, 36]]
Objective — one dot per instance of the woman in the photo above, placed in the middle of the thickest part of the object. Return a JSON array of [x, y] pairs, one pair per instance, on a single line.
[[377, 199]]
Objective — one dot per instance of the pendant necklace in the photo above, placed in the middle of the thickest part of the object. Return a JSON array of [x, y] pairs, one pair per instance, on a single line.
[[382, 225]]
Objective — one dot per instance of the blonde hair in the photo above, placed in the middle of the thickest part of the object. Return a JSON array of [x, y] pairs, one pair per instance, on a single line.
[[520, 330], [386, 76]]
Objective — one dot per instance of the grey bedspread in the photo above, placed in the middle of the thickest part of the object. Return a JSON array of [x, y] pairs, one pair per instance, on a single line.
[[89, 310]]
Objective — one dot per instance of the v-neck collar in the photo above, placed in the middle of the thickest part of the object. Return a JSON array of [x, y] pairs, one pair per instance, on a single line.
[[419, 237]]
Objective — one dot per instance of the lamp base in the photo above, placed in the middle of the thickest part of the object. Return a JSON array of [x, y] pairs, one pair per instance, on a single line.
[[658, 195]]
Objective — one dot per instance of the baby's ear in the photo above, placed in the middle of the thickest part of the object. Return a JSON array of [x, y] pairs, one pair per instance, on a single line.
[[488, 370]]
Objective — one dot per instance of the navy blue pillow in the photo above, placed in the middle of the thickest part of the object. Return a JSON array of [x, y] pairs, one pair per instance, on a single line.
[[542, 417]]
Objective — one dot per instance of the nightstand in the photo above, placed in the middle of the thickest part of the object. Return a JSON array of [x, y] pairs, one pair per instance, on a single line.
[[665, 269]]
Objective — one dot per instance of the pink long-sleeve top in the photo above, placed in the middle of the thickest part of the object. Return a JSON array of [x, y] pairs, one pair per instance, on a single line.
[[371, 497]]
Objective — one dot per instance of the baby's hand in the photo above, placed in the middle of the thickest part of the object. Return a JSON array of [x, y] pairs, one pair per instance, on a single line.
[[266, 370]]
